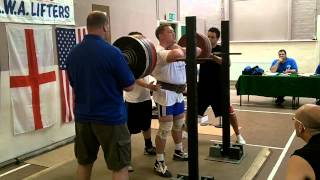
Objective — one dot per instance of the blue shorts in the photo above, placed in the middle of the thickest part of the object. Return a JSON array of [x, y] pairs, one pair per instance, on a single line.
[[176, 109]]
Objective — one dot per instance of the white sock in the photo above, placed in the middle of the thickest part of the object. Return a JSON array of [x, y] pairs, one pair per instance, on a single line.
[[179, 146], [160, 157]]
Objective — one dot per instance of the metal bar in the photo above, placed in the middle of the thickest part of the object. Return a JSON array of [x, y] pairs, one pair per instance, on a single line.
[[220, 53], [192, 95], [225, 88]]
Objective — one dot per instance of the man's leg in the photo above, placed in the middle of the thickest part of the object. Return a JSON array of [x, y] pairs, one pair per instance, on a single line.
[[165, 126], [164, 129], [234, 123], [178, 121], [147, 134], [84, 172], [279, 100], [122, 174], [149, 148], [116, 145], [146, 109], [176, 132], [86, 147]]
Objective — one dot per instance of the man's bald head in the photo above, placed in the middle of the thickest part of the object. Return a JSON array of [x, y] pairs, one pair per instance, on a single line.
[[96, 19], [309, 115]]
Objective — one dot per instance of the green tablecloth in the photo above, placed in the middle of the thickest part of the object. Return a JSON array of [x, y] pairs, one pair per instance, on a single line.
[[272, 86]]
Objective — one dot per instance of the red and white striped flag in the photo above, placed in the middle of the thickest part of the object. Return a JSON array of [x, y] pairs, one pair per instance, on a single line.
[[66, 39], [32, 77]]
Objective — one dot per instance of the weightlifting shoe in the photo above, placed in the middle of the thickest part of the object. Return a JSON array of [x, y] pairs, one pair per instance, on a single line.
[[203, 120], [161, 169], [130, 168], [240, 139], [150, 151], [180, 156]]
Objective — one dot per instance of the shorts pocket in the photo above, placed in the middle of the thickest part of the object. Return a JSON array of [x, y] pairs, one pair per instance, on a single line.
[[124, 152]]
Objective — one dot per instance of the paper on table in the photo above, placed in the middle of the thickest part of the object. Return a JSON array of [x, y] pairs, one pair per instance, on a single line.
[[306, 74], [271, 74]]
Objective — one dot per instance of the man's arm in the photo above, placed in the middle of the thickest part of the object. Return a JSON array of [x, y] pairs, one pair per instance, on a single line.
[[177, 53], [274, 67], [299, 169], [290, 71], [151, 86], [129, 88], [216, 59]]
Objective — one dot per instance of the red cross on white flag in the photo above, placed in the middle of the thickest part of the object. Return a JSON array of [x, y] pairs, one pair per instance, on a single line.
[[32, 77]]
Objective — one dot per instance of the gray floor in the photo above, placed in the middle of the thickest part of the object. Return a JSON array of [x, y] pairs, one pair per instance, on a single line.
[[263, 125]]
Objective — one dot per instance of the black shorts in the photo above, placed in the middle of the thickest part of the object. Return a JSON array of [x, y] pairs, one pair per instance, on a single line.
[[139, 116], [208, 98], [114, 140]]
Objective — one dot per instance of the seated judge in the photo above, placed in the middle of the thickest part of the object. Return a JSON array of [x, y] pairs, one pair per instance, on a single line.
[[285, 65]]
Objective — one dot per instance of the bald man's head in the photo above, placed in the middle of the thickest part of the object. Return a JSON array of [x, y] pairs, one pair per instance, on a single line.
[[309, 115]]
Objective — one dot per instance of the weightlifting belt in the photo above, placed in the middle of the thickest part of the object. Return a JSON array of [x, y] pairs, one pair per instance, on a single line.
[[172, 87]]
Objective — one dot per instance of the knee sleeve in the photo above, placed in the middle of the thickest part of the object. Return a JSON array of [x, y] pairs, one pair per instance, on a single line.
[[164, 129], [178, 124]]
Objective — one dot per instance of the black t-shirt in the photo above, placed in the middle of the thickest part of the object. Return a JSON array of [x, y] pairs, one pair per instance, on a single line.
[[210, 76], [311, 153]]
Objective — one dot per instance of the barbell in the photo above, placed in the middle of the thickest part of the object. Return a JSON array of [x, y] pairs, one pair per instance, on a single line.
[[203, 43], [141, 53]]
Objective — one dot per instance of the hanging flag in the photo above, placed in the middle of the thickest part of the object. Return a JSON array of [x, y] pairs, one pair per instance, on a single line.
[[32, 77], [66, 39]]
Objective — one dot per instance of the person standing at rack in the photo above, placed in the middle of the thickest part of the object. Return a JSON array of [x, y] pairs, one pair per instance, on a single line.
[[170, 73], [209, 86]]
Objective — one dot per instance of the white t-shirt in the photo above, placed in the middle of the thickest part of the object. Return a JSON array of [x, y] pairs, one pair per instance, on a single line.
[[139, 93], [173, 73]]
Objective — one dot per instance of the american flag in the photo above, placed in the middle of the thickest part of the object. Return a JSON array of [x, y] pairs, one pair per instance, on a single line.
[[66, 39]]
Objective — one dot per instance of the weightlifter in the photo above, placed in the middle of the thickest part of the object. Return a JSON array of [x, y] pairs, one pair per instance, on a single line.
[[209, 92], [98, 73], [171, 76]]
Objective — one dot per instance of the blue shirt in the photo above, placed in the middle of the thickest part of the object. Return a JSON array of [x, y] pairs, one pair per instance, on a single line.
[[290, 63], [318, 69], [98, 73]]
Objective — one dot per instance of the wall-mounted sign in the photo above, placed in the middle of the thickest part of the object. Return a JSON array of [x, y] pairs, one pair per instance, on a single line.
[[171, 16], [37, 11]]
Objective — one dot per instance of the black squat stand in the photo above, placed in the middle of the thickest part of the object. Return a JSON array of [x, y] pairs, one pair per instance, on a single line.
[[192, 113]]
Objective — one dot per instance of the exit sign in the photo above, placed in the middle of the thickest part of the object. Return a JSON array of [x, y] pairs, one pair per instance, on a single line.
[[171, 16]]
